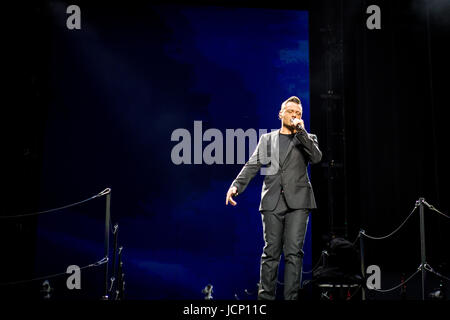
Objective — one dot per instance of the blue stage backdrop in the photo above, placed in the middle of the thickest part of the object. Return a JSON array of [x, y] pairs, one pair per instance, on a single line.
[[120, 88]]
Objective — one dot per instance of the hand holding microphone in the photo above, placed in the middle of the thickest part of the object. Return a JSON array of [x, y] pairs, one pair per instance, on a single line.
[[298, 123]]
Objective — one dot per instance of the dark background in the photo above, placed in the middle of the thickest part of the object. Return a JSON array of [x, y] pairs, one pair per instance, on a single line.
[[384, 127], [392, 115]]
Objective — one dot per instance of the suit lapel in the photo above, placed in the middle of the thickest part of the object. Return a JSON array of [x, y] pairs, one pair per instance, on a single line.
[[275, 148]]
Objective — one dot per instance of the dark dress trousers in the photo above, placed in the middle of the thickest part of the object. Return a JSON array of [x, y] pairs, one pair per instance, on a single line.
[[286, 198]]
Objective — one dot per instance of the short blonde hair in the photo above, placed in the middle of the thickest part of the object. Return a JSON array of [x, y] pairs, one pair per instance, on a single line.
[[292, 99]]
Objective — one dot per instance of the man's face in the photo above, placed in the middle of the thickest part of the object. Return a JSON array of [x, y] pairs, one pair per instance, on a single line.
[[291, 111]]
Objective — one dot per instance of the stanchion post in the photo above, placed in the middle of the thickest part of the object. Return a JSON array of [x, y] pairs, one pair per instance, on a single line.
[[363, 267], [422, 245], [119, 275], [107, 222], [113, 277]]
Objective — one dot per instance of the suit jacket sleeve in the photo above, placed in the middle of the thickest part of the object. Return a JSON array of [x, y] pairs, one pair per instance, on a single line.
[[251, 167], [309, 143]]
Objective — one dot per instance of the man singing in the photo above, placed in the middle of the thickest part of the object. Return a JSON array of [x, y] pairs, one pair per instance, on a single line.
[[286, 197]]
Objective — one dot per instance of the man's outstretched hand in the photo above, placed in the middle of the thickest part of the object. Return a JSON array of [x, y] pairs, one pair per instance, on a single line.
[[231, 192]]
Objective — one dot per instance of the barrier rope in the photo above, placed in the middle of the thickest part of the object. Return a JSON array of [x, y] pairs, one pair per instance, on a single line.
[[431, 207], [426, 266], [430, 269], [315, 266], [100, 194], [399, 285], [109, 228], [357, 237], [392, 233], [95, 264]]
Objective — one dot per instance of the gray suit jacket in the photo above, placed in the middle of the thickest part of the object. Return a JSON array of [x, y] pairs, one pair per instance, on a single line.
[[291, 175]]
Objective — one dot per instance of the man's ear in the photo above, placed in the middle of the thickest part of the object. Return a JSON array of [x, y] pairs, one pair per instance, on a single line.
[[280, 115]]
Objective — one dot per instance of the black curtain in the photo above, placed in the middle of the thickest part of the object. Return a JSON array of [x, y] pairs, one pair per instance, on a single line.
[[394, 86]]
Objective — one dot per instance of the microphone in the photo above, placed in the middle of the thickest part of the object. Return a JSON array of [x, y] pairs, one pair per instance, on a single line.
[[296, 122]]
